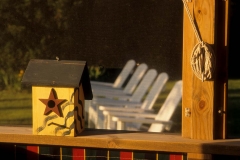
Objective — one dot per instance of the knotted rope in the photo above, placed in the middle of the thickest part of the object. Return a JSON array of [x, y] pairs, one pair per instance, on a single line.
[[202, 60]]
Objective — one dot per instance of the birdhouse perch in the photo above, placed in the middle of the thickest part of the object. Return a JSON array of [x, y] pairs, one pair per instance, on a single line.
[[59, 89]]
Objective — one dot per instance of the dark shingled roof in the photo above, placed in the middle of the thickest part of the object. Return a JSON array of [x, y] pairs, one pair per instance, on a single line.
[[63, 73]]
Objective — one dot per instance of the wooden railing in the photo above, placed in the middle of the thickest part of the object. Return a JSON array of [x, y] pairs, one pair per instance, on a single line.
[[20, 143]]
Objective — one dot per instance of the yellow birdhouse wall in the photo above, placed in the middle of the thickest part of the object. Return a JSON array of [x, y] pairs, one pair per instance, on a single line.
[[57, 111]]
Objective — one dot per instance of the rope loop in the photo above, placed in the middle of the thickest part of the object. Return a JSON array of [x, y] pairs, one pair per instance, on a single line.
[[203, 61]]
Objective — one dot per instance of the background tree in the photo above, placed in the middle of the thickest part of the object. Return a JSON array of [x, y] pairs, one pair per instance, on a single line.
[[30, 29]]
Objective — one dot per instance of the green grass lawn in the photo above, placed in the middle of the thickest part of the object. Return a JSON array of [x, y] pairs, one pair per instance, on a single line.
[[16, 109]]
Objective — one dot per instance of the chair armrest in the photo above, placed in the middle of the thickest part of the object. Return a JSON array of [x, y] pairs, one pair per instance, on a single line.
[[125, 109], [108, 115], [140, 120], [108, 101], [131, 114], [111, 94], [122, 120], [98, 83]]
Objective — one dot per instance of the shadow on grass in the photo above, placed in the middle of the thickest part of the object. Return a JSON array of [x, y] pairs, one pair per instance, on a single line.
[[234, 92]]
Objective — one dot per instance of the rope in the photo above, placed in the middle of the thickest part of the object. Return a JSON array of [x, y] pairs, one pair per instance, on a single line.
[[192, 21], [202, 60]]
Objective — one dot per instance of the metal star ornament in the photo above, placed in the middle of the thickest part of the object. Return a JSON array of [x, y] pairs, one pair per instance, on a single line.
[[52, 103]]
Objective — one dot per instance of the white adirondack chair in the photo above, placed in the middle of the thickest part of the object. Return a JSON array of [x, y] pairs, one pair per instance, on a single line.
[[159, 121], [136, 98], [137, 95], [147, 104]]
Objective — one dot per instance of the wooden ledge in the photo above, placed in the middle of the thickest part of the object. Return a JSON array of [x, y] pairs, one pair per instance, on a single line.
[[110, 139]]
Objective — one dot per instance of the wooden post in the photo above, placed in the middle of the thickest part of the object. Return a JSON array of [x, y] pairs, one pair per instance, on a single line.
[[206, 100]]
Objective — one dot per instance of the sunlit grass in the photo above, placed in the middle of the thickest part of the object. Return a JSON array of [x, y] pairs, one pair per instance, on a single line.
[[15, 108], [233, 84]]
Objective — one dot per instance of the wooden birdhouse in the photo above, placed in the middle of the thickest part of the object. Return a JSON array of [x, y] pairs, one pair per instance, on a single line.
[[59, 89]]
